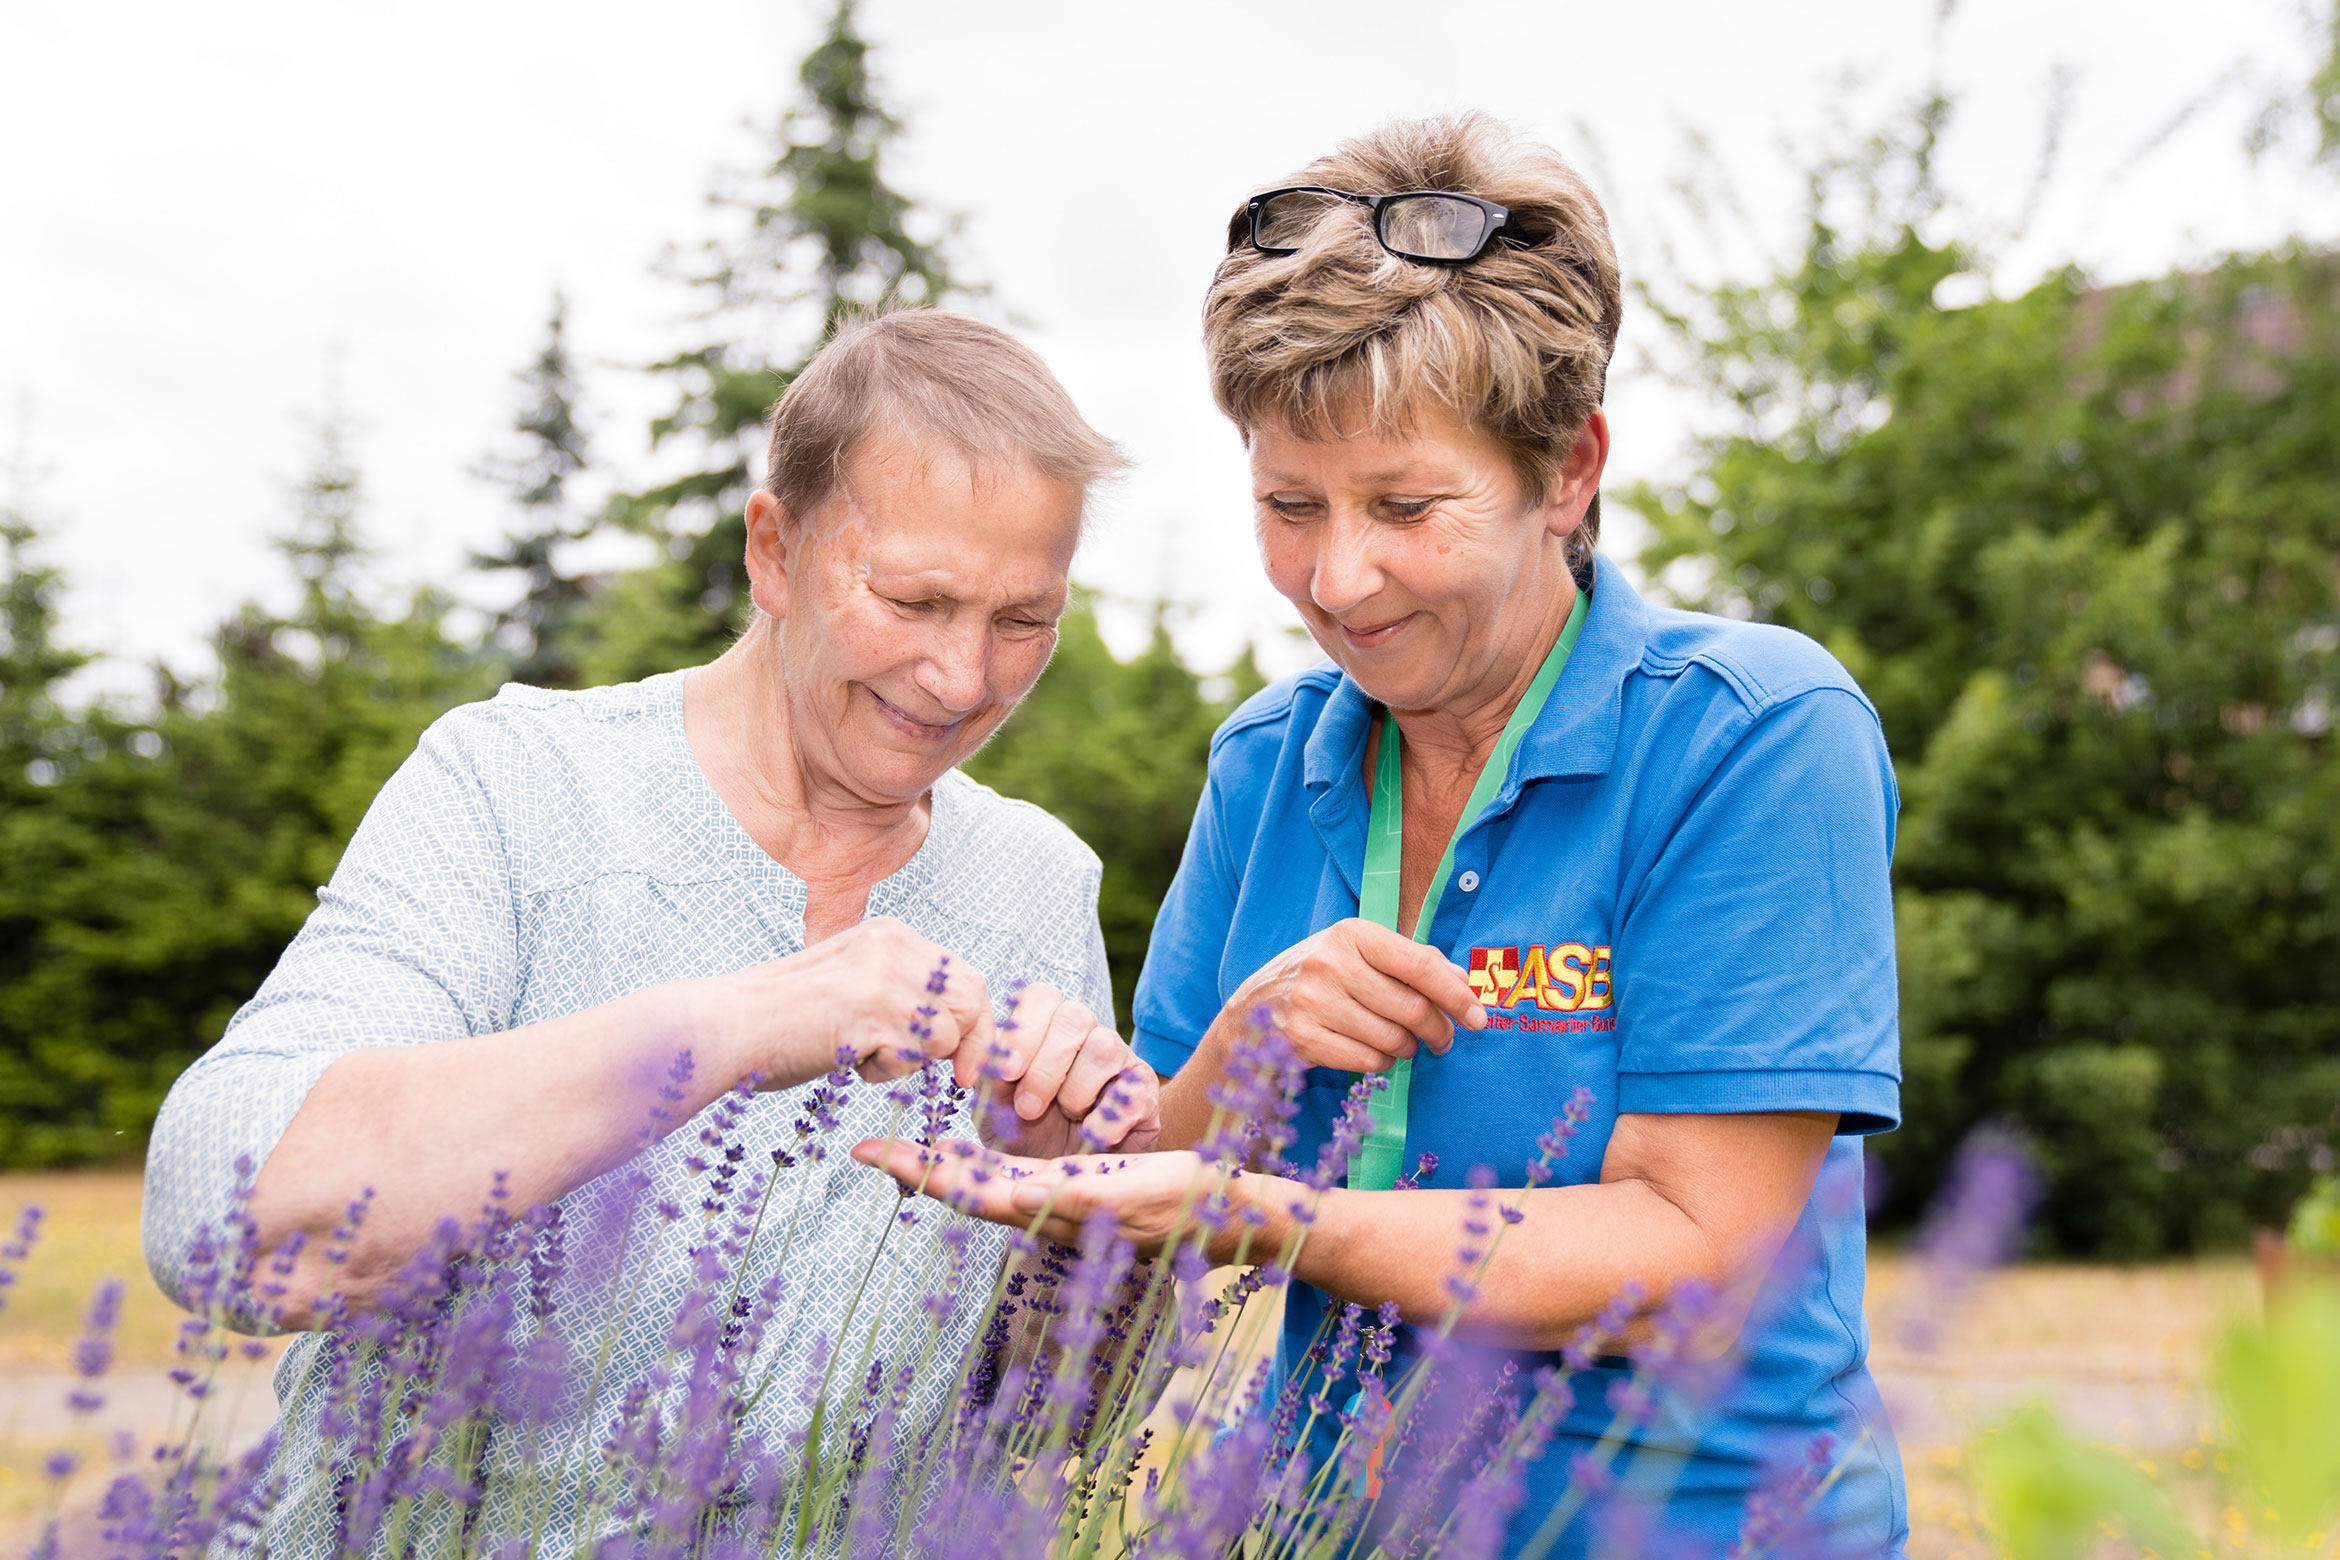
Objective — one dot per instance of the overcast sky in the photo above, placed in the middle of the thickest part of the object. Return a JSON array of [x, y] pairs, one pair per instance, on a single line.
[[210, 213]]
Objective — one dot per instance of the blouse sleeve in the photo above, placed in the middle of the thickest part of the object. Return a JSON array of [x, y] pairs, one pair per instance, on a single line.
[[412, 941]]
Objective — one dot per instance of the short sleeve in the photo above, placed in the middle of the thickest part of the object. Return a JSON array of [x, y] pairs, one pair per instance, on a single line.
[[412, 941], [1754, 966], [1178, 990]]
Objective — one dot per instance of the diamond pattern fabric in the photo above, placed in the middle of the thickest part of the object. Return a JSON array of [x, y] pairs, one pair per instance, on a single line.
[[543, 853]]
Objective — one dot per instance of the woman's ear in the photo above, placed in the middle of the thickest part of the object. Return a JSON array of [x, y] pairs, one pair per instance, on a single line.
[[1579, 480], [770, 528]]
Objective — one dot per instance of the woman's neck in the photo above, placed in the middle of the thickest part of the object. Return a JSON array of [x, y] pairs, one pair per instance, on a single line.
[[783, 790], [1454, 737]]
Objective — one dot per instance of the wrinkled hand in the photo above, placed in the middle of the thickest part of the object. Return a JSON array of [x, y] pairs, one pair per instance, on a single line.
[[1071, 1082], [877, 993], [1152, 1198], [1359, 997]]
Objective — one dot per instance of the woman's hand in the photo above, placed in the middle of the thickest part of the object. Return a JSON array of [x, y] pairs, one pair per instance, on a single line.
[[1152, 1198], [878, 995], [1067, 1071], [1359, 997]]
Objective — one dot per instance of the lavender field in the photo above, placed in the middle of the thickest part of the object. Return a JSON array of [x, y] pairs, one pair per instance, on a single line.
[[2119, 1351]]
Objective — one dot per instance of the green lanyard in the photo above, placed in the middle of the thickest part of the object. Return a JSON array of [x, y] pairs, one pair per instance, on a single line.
[[1376, 1166]]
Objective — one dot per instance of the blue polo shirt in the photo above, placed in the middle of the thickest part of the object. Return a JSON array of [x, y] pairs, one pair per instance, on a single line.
[[1679, 898]]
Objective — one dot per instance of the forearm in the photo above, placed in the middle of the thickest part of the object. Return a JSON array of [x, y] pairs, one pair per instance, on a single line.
[[425, 1128], [1573, 1251], [1186, 1095]]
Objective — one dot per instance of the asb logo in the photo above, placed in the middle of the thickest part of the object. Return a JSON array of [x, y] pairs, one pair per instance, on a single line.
[[1569, 977]]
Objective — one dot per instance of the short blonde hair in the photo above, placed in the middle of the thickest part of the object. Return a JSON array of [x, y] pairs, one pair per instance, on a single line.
[[1343, 337], [950, 376]]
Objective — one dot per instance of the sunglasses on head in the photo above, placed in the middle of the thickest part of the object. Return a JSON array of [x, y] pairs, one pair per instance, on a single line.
[[1435, 227]]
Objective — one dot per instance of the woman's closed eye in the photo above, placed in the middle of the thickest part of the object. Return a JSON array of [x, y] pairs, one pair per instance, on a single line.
[[1291, 506], [1403, 510]]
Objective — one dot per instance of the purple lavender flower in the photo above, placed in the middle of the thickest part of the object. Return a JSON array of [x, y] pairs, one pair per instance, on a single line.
[[19, 1247], [1552, 1144], [1348, 1135], [1777, 1508], [1975, 1224]]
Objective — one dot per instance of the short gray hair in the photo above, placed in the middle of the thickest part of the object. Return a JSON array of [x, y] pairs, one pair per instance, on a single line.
[[951, 376]]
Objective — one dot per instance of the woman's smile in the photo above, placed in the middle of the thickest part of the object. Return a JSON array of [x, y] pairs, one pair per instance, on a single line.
[[910, 725], [1375, 636]]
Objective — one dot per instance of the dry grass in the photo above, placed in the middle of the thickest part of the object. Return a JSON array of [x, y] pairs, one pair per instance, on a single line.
[[2120, 1353], [2118, 1350], [90, 1234]]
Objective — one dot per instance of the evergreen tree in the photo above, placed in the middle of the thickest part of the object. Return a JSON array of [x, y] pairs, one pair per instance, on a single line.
[[34, 733], [538, 632], [820, 234], [149, 888]]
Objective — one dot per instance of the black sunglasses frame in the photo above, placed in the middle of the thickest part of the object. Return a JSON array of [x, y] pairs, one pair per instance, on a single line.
[[1496, 222]]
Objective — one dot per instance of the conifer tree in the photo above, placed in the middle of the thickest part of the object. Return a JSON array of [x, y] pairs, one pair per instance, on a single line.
[[537, 632], [146, 891], [818, 233], [33, 730]]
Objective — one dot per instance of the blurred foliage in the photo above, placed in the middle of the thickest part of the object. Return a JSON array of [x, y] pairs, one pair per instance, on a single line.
[[2274, 1477], [2314, 1230], [151, 869], [2082, 548]]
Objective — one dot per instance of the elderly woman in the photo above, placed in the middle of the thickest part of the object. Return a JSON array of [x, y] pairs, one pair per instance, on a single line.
[[758, 865], [1526, 832]]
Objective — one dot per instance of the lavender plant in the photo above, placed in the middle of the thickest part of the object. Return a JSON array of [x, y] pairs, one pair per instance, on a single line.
[[1110, 1407]]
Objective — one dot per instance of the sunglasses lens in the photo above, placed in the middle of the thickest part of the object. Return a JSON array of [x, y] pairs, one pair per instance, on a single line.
[[1285, 220], [1433, 227]]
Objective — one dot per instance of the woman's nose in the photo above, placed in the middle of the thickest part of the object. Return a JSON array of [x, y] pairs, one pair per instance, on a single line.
[[1346, 572], [956, 672]]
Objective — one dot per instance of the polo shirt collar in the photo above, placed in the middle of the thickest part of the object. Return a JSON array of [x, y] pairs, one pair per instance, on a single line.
[[1575, 735]]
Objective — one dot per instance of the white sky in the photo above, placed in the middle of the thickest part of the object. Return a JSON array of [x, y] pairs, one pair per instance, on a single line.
[[209, 212]]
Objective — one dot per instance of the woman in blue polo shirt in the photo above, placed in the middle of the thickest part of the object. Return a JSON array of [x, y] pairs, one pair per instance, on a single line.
[[1526, 832]]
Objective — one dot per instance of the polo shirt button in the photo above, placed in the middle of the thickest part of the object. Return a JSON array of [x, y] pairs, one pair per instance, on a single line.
[[1469, 882]]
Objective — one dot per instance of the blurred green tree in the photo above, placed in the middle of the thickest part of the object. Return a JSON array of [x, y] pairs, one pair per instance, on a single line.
[[1117, 749], [539, 631], [151, 869], [2079, 545], [819, 234]]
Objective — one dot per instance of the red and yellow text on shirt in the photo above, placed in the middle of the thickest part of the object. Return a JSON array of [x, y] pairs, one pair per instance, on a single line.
[[1563, 978]]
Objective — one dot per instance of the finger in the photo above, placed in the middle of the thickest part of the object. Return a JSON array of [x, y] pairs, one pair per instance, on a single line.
[[1327, 1046], [1123, 1103], [962, 1023], [1052, 1060], [1036, 1008], [1126, 1107], [888, 1062], [1332, 1003], [1100, 1060], [1001, 1188], [978, 1183], [1395, 1002], [1425, 969], [1136, 1100]]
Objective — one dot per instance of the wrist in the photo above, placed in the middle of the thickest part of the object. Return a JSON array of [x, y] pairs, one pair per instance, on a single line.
[[691, 1016], [1267, 1210]]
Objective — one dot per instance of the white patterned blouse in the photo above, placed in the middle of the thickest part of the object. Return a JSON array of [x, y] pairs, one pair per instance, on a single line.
[[542, 853]]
